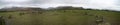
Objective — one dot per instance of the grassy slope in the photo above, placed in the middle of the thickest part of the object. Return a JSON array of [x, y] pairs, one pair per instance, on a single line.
[[60, 17]]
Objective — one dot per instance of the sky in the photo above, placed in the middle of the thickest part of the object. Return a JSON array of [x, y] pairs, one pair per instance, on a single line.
[[94, 4]]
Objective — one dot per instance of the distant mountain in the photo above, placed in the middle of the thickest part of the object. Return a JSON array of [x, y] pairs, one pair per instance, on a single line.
[[39, 9], [21, 9]]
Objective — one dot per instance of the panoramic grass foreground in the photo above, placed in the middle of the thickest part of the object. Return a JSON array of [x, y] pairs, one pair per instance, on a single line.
[[58, 16]]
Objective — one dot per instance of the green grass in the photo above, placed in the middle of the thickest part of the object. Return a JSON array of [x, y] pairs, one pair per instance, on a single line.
[[60, 17]]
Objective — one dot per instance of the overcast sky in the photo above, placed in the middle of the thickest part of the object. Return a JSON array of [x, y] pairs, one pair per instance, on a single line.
[[97, 4]]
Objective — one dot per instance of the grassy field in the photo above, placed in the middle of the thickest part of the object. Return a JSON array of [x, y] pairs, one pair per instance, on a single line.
[[59, 17]]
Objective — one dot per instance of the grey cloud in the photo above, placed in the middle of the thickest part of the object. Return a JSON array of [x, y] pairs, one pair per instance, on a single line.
[[98, 4]]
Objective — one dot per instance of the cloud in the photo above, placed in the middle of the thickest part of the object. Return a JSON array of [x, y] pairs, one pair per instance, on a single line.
[[97, 4], [18, 1]]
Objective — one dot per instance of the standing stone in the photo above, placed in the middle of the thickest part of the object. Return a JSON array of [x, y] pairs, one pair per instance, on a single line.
[[101, 21], [2, 21]]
